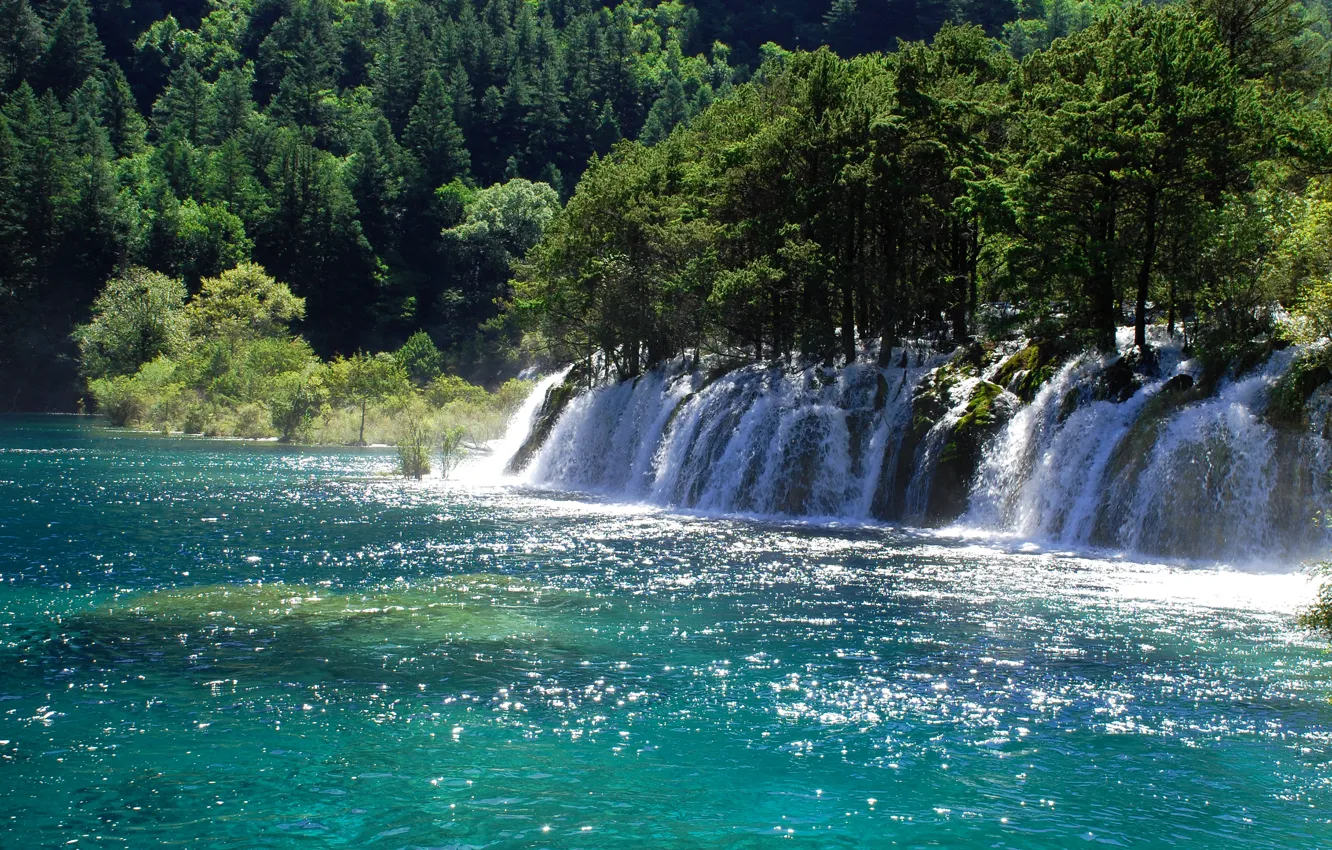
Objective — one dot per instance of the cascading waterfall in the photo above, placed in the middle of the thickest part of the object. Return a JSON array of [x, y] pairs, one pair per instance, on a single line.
[[1157, 474], [1157, 469], [488, 467], [758, 440]]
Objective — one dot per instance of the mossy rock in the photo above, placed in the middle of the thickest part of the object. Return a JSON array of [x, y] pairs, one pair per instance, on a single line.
[[1024, 373], [1119, 381], [930, 400], [988, 409], [1288, 399]]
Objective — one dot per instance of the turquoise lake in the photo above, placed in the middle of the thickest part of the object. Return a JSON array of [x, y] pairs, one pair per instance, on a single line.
[[235, 645]]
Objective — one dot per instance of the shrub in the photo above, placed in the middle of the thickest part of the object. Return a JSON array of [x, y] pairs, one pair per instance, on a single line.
[[252, 421], [296, 399], [451, 451], [117, 399], [413, 440], [1318, 616], [450, 388]]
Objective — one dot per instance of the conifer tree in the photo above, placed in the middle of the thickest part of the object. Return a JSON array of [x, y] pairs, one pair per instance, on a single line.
[[433, 135]]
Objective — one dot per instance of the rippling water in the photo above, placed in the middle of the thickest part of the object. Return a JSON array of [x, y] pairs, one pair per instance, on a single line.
[[234, 645]]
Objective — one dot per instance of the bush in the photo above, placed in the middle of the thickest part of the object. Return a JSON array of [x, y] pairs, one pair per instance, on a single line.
[[252, 421], [451, 451], [117, 399], [450, 388], [1318, 616], [413, 441], [296, 399]]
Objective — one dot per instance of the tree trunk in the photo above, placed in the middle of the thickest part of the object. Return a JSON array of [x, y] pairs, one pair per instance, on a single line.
[[360, 441], [887, 320], [1145, 272]]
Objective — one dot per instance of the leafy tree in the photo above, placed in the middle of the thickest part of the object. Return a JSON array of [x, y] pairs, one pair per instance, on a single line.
[[243, 303], [362, 380], [137, 317]]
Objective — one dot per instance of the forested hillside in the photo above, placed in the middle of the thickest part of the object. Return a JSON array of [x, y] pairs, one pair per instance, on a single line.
[[339, 145], [345, 147], [1158, 163]]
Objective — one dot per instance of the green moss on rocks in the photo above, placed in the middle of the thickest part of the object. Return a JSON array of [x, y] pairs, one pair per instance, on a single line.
[[989, 407], [1024, 373], [1288, 399]]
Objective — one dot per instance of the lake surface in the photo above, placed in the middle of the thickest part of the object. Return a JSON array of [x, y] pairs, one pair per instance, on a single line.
[[221, 644]]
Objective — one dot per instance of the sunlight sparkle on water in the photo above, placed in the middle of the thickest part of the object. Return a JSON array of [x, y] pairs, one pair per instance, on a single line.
[[304, 650]]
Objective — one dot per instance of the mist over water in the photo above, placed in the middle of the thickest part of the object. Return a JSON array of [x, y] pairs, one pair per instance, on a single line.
[[234, 645]]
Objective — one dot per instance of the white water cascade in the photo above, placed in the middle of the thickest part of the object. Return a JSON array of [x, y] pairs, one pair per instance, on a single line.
[[1159, 473], [488, 467], [1206, 478], [762, 441]]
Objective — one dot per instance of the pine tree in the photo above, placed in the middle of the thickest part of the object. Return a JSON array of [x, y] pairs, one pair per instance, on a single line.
[[185, 105], [21, 41], [840, 26], [433, 136], [375, 189], [95, 235], [231, 106], [545, 122], [73, 50], [390, 79], [670, 110], [124, 125], [41, 128]]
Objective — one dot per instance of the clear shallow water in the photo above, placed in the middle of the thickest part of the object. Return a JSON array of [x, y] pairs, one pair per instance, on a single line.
[[233, 645]]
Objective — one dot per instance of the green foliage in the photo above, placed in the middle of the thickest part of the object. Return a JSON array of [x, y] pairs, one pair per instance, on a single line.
[[414, 439], [117, 398], [1318, 616], [138, 316], [1289, 396], [243, 304], [451, 450], [312, 138], [447, 389], [420, 359], [1129, 168], [1088, 161], [227, 365]]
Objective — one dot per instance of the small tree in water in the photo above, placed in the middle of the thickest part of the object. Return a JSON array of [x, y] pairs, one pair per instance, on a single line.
[[451, 451], [1318, 616], [414, 439]]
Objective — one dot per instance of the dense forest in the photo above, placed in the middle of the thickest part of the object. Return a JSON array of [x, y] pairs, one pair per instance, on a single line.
[[341, 145], [1158, 164], [942, 166]]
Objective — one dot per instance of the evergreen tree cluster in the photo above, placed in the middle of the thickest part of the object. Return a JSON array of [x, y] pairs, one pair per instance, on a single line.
[[1154, 163], [335, 143]]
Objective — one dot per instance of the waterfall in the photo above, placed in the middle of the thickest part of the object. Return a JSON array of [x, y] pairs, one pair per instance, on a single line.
[[1147, 465], [1161, 473], [759, 440], [489, 467]]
